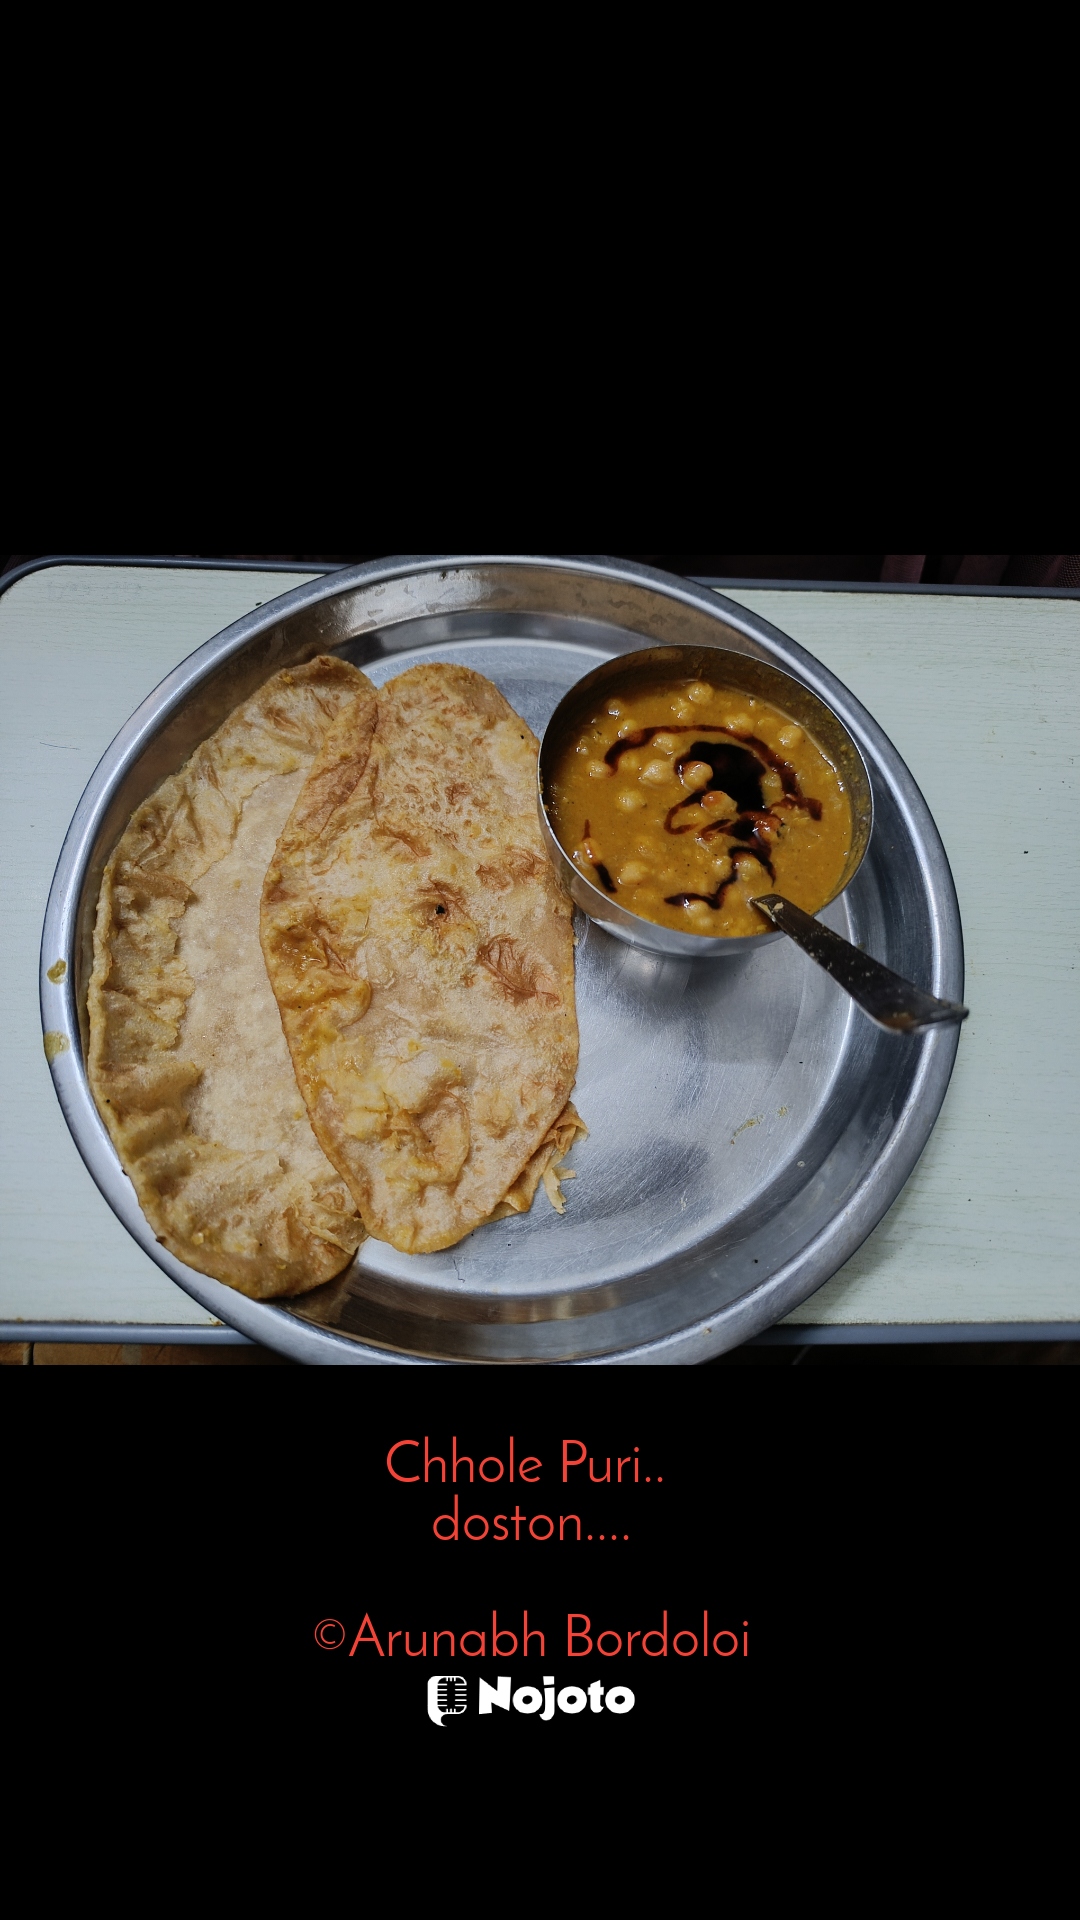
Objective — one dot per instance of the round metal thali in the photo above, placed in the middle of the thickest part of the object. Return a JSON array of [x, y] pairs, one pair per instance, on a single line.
[[748, 1126]]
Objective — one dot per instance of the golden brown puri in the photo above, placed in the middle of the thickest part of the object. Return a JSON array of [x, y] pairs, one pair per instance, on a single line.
[[684, 801], [421, 950], [187, 1059]]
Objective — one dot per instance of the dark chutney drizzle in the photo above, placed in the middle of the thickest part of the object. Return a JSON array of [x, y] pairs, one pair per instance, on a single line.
[[735, 771], [721, 754], [716, 900], [599, 868]]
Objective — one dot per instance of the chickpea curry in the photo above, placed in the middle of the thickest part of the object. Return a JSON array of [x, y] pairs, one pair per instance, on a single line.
[[686, 800]]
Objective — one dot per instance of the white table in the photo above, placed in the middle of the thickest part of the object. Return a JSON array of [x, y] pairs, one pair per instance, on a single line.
[[981, 694]]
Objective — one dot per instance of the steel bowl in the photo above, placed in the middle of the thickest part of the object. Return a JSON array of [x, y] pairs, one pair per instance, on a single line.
[[745, 674], [747, 1128]]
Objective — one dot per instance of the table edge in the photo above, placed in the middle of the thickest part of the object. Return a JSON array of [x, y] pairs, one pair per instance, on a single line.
[[720, 583], [813, 1334]]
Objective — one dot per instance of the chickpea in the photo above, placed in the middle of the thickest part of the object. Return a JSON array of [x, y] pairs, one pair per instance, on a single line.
[[721, 804], [682, 709], [615, 709], [699, 908], [629, 762], [657, 773], [695, 774], [665, 743], [699, 693], [789, 736], [600, 770], [633, 871], [627, 726], [739, 723], [772, 787], [630, 801]]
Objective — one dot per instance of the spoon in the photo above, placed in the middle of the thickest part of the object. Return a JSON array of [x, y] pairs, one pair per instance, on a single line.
[[888, 999]]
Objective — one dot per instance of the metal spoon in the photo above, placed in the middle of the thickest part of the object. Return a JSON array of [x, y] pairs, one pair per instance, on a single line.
[[889, 1000]]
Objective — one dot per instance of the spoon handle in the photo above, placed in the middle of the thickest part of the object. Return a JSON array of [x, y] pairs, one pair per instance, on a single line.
[[891, 1001]]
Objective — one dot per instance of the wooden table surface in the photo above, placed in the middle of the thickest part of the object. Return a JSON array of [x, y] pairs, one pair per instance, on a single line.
[[981, 695]]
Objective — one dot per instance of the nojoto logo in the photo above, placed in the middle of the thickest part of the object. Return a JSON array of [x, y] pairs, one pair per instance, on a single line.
[[447, 1694]]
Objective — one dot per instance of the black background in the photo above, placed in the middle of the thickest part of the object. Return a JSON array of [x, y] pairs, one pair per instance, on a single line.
[[896, 1542]]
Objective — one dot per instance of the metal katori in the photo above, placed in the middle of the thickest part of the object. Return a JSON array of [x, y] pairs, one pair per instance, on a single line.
[[747, 1127], [895, 1003], [743, 673]]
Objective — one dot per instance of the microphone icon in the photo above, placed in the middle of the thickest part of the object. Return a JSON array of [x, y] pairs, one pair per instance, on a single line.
[[447, 1694]]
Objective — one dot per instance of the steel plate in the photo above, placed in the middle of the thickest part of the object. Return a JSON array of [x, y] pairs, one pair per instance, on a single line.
[[748, 1127]]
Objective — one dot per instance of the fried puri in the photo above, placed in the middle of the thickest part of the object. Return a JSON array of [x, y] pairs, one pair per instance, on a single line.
[[421, 951], [187, 1059]]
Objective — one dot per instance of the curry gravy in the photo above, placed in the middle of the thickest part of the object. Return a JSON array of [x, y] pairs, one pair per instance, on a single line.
[[685, 800]]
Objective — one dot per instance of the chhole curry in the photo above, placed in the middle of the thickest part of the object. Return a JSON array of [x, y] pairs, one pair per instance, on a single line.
[[685, 800]]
